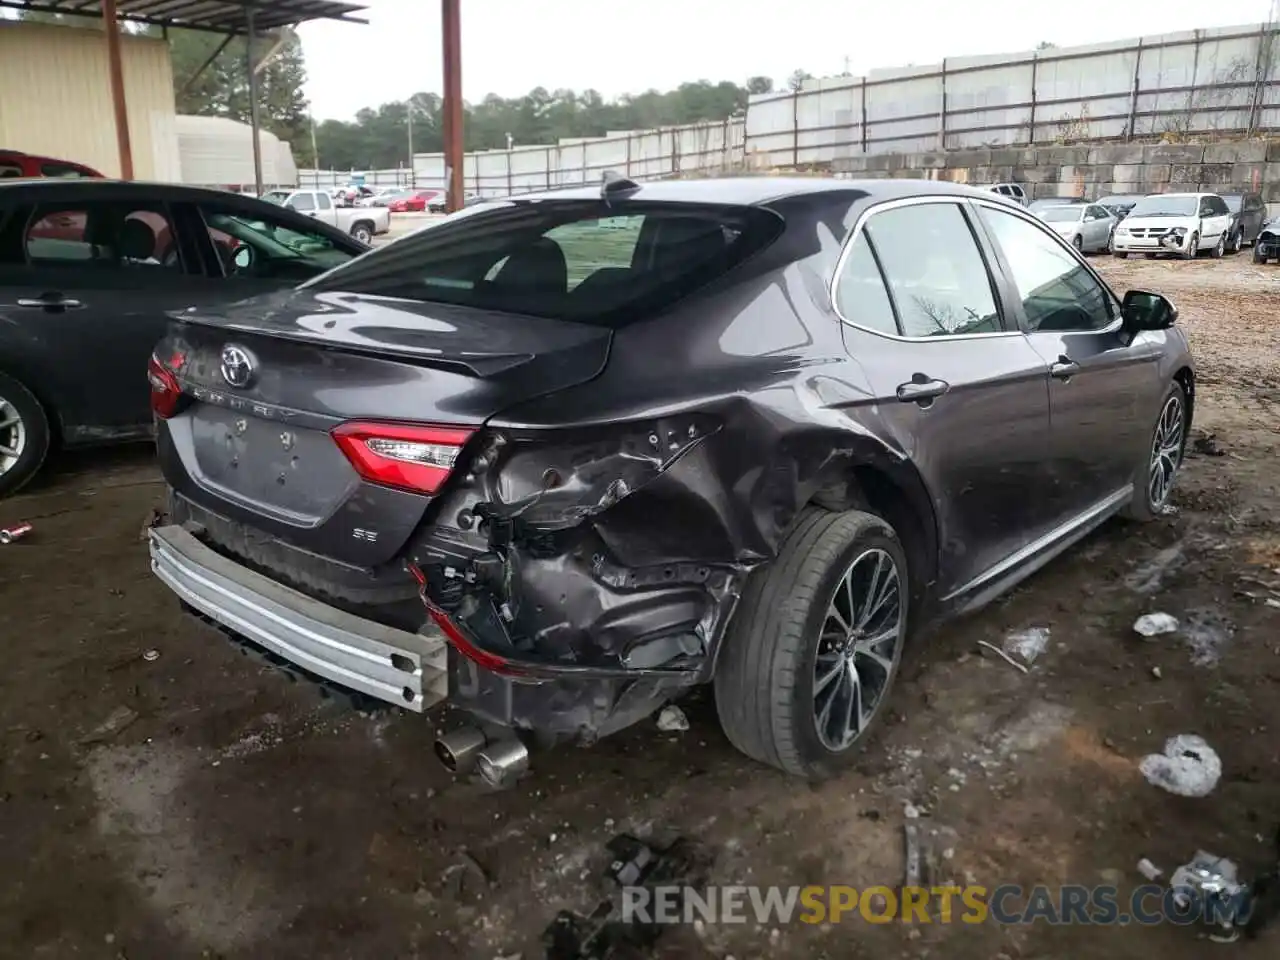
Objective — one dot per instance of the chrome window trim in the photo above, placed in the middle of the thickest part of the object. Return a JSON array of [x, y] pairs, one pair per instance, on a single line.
[[958, 200]]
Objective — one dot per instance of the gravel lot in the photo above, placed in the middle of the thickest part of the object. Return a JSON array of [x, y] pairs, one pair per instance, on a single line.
[[196, 804]]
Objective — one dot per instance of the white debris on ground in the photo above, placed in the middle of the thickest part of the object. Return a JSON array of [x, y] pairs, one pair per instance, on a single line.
[[1189, 767], [1148, 577], [1027, 644], [1155, 624], [1149, 869], [672, 720], [1207, 632]]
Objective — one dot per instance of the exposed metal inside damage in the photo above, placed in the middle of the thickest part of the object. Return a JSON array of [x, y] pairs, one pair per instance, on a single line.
[[584, 580]]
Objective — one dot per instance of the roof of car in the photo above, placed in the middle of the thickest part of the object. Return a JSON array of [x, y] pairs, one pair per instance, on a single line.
[[96, 186], [759, 190]]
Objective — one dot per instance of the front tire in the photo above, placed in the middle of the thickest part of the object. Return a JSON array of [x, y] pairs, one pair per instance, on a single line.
[[1078, 244], [813, 650], [1193, 247], [24, 435], [1257, 254], [1153, 480]]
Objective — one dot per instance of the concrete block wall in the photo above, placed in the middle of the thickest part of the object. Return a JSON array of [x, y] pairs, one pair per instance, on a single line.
[[1094, 171]]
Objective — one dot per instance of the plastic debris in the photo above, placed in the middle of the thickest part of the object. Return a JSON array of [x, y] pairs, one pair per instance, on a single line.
[[1149, 869], [1189, 767], [1155, 624], [1207, 632], [1027, 644], [151, 656], [1214, 883], [1022, 667], [16, 532], [672, 720]]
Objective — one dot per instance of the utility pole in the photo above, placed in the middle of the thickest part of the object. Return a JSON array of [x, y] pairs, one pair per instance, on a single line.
[[408, 112], [315, 151], [453, 138], [254, 123]]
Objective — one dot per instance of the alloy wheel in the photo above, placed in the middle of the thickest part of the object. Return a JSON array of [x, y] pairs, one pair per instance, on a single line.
[[859, 649], [1166, 451], [13, 436]]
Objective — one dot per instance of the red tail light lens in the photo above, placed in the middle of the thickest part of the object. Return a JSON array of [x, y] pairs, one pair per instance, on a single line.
[[165, 390], [408, 456]]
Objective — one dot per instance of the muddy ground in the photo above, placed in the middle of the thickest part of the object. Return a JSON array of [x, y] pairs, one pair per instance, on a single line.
[[225, 812]]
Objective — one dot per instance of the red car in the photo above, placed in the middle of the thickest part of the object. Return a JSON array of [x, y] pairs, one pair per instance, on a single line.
[[415, 201], [15, 164]]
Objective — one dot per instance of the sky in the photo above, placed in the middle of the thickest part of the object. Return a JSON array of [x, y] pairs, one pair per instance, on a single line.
[[511, 46]]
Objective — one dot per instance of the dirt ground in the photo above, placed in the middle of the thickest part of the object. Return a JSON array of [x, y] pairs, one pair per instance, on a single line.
[[196, 804]]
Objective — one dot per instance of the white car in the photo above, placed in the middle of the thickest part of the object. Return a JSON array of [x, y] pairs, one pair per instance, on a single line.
[[1086, 226], [1180, 224]]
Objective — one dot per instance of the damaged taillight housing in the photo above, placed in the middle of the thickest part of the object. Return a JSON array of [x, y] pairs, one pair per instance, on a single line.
[[408, 456], [166, 392]]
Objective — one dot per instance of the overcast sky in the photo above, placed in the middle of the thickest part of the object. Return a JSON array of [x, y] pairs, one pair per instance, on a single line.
[[511, 46]]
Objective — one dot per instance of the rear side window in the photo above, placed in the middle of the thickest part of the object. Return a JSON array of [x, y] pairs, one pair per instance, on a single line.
[[66, 171], [10, 170], [303, 201], [935, 272], [861, 295], [581, 260]]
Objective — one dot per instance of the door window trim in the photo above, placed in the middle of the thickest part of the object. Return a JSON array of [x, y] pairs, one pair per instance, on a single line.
[[959, 201], [1020, 316]]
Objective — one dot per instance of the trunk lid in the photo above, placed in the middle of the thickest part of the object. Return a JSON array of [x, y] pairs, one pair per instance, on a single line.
[[266, 381]]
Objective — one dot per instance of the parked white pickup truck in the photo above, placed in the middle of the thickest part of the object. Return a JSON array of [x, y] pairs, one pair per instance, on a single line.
[[363, 223]]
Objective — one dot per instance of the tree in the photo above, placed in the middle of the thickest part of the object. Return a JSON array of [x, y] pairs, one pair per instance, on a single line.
[[797, 79], [759, 85], [1046, 45]]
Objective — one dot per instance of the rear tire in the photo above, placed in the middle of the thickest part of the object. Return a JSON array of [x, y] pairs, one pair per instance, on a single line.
[[1237, 242], [1164, 454], [24, 430], [1120, 254], [362, 231], [788, 673], [1220, 247]]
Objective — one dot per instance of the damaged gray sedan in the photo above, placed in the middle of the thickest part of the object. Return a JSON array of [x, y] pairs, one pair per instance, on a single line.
[[562, 457]]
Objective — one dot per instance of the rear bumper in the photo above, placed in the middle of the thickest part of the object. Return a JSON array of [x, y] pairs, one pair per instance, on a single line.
[[392, 665]]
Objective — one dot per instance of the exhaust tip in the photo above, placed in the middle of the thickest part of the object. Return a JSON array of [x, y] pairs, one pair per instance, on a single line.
[[503, 763], [458, 749]]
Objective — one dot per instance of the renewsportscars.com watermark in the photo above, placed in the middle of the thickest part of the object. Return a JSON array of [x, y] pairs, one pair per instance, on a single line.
[[1010, 905]]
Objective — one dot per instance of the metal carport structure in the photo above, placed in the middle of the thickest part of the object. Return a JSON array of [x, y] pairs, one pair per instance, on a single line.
[[251, 18]]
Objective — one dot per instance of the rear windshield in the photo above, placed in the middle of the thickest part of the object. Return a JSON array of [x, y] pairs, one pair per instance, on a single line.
[[577, 260], [1061, 214]]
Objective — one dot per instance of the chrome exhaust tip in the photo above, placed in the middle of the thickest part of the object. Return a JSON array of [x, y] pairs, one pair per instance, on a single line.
[[503, 763], [458, 749]]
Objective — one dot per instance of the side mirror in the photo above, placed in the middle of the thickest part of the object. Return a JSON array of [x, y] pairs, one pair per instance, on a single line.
[[1142, 310]]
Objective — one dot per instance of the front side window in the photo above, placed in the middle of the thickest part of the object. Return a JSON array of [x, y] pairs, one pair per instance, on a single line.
[[253, 246], [1057, 291], [1217, 208], [935, 271]]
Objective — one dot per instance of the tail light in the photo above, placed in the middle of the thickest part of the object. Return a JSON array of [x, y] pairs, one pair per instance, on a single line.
[[166, 392], [408, 456]]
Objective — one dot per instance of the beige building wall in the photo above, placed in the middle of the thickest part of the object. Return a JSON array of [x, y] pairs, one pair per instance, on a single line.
[[55, 98]]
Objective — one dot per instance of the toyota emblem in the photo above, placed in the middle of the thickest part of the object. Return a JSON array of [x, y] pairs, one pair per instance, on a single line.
[[237, 365]]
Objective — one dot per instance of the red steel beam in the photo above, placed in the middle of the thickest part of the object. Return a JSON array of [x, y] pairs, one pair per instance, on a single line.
[[115, 67], [453, 156]]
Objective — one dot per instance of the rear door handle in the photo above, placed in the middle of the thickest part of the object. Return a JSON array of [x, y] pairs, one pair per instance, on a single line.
[[1064, 369], [921, 390]]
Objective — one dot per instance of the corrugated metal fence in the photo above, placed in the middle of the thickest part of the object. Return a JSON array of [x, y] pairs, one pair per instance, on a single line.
[[1204, 84]]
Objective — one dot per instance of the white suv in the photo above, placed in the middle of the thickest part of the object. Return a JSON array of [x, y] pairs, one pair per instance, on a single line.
[[1181, 224], [1010, 190]]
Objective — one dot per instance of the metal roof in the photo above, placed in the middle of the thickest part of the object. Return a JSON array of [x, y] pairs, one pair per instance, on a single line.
[[219, 16]]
